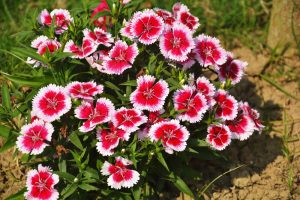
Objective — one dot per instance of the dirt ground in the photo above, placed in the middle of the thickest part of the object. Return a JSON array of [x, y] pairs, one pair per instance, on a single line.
[[267, 171]]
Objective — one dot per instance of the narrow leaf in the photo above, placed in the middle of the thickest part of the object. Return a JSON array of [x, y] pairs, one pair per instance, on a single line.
[[161, 159], [87, 187], [5, 96], [181, 185], [66, 176], [75, 140]]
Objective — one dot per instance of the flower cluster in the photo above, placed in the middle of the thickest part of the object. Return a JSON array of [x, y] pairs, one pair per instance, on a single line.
[[158, 111]]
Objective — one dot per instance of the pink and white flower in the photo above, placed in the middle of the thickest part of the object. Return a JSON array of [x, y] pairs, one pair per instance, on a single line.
[[204, 86], [99, 36], [226, 105], [45, 18], [119, 174], [96, 60], [253, 114], [99, 114], [62, 19], [126, 30], [34, 136], [85, 49], [209, 51], [232, 69], [83, 90], [150, 94], [43, 44], [171, 133], [153, 118], [179, 7], [176, 42], [165, 15], [189, 62], [219, 136], [186, 18], [146, 26], [40, 184], [121, 57], [242, 127], [192, 103], [128, 120], [109, 139], [101, 21], [51, 103]]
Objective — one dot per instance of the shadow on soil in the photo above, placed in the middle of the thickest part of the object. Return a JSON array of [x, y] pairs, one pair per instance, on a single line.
[[256, 152]]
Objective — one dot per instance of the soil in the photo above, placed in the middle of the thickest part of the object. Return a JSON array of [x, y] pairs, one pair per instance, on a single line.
[[267, 169]]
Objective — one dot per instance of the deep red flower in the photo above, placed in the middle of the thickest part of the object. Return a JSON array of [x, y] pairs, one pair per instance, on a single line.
[[209, 51], [121, 57], [176, 42], [150, 94], [219, 136], [192, 104], [226, 105], [171, 133], [119, 174], [232, 69]]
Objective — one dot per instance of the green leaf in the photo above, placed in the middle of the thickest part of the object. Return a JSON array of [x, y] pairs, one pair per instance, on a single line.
[[17, 196], [27, 52], [161, 159], [129, 83], [87, 187], [65, 175], [62, 165], [181, 185], [69, 190], [137, 191], [6, 97], [91, 173], [4, 131], [277, 86], [198, 143], [112, 86], [28, 81], [75, 140]]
